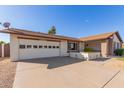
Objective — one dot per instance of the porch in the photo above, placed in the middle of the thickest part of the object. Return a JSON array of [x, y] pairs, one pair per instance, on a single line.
[[100, 48], [76, 50]]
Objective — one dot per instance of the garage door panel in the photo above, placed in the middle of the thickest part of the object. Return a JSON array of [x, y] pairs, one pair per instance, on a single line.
[[29, 53]]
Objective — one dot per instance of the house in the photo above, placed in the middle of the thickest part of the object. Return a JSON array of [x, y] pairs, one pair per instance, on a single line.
[[104, 43], [123, 45], [26, 44]]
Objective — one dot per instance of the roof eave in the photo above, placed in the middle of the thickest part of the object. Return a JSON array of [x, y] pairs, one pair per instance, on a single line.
[[10, 32]]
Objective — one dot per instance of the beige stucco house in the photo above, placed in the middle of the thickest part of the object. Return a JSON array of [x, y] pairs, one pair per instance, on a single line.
[[26, 44]]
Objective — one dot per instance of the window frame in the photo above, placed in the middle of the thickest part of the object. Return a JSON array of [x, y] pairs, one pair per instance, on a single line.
[[24, 46], [40, 46], [49, 46], [29, 46], [75, 45], [35, 46], [45, 46]]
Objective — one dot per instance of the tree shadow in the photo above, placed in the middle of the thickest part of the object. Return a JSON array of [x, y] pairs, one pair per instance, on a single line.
[[54, 62], [101, 59]]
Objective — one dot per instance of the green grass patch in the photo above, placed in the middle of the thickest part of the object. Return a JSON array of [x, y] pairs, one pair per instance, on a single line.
[[121, 59]]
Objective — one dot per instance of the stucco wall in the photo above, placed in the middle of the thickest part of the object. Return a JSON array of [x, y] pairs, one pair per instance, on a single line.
[[95, 45], [81, 46], [63, 48], [14, 50], [85, 55], [17, 54], [104, 48], [115, 41], [116, 38]]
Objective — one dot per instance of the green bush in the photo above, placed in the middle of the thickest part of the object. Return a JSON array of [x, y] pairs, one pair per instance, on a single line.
[[119, 52], [88, 50]]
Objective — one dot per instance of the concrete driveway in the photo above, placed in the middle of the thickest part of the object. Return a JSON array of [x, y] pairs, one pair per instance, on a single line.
[[62, 72]]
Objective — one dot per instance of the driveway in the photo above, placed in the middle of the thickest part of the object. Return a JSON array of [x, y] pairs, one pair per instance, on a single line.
[[63, 72]]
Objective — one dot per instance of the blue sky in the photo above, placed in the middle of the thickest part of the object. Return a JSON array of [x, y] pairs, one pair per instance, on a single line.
[[74, 21]]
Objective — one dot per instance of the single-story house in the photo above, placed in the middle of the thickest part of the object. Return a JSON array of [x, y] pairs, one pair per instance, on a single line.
[[26, 44]]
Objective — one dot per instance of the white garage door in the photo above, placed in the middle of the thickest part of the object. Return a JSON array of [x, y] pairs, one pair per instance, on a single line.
[[29, 49]]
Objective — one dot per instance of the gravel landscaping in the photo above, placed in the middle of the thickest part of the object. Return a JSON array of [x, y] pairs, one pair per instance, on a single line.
[[7, 73]]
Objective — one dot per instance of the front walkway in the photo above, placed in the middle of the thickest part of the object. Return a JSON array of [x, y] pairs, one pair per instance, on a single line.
[[63, 72]]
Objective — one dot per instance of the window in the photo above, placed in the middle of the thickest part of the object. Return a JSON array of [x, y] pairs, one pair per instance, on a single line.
[[57, 46], [54, 47], [50, 47], [22, 46], [40, 46], [34, 46], [118, 45], [28, 46], [72, 46], [45, 46]]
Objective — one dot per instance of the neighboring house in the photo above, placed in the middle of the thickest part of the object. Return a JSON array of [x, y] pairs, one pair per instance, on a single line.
[[104, 43], [27, 44], [123, 45]]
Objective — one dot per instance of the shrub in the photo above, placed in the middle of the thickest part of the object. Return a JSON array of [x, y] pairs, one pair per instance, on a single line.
[[119, 52], [88, 50]]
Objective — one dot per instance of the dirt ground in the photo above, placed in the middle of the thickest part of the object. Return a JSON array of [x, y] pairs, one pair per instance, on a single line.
[[7, 73]]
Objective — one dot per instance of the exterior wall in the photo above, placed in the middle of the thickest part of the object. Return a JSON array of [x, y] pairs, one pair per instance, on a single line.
[[110, 47], [104, 48], [95, 45], [85, 55], [17, 54], [115, 41], [14, 49], [116, 38], [64, 48], [81, 46]]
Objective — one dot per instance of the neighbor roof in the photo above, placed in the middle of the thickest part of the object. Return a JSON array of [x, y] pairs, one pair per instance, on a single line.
[[101, 36], [36, 34]]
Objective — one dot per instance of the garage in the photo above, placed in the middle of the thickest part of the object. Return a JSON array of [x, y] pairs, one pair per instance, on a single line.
[[29, 49], [25, 44]]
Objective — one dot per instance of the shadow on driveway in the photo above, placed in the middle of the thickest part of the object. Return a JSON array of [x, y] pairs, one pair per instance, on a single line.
[[101, 59], [54, 62]]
